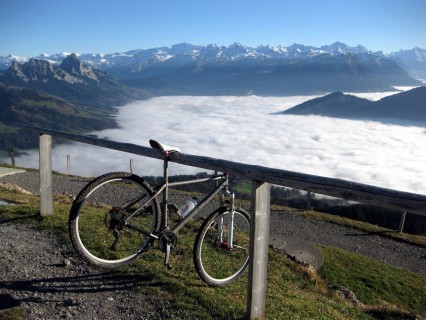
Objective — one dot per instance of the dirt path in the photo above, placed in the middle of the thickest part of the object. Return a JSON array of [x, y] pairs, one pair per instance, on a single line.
[[42, 276]]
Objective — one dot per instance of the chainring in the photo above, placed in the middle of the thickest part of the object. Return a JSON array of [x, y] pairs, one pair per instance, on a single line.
[[167, 237]]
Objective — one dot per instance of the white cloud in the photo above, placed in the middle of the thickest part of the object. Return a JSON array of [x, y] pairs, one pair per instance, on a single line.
[[244, 129]]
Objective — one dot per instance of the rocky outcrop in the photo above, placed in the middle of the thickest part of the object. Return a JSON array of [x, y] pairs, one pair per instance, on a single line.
[[72, 80], [74, 66], [70, 71]]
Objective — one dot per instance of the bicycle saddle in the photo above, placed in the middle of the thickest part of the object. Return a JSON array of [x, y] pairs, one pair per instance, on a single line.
[[162, 147]]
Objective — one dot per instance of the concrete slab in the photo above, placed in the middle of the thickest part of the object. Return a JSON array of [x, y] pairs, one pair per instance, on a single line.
[[9, 171], [301, 251]]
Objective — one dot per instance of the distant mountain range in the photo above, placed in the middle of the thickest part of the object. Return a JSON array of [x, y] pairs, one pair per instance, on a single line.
[[409, 105], [265, 70], [78, 92], [71, 96], [71, 80], [414, 61]]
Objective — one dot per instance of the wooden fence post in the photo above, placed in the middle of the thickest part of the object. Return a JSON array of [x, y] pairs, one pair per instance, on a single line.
[[46, 190], [68, 164], [259, 243], [402, 221], [308, 200], [132, 166], [12, 156]]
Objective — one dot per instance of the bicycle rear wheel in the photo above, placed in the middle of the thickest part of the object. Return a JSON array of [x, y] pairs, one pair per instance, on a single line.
[[221, 249], [99, 225]]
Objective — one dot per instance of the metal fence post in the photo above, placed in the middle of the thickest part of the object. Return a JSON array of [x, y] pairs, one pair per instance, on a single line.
[[46, 190], [259, 243]]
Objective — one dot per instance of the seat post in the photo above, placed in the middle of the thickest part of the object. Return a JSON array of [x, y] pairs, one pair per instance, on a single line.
[[164, 222]]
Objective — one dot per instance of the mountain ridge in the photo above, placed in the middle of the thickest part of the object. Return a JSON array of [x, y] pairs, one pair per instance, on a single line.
[[414, 61], [239, 70], [234, 50], [215, 51], [70, 96], [71, 80], [408, 105], [210, 51], [203, 50]]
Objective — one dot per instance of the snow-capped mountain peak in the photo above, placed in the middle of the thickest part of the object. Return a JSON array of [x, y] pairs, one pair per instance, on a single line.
[[140, 59], [420, 54], [192, 52], [7, 60], [341, 48]]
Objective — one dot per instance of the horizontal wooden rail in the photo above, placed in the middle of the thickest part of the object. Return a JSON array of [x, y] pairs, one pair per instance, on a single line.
[[372, 195]]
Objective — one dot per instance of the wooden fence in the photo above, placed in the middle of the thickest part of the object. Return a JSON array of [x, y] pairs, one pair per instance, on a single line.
[[262, 178]]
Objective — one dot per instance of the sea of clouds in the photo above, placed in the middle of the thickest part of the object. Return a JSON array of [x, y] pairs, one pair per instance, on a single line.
[[246, 129]]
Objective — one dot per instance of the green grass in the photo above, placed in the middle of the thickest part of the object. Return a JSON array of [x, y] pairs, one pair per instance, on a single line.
[[293, 292], [13, 314], [243, 186], [373, 282]]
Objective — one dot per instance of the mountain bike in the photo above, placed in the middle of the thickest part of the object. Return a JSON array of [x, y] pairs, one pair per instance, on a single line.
[[118, 216]]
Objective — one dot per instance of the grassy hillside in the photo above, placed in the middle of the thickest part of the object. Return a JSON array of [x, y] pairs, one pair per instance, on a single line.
[[35, 108], [293, 292]]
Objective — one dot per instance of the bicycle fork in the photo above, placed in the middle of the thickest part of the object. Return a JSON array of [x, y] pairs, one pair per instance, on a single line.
[[226, 241]]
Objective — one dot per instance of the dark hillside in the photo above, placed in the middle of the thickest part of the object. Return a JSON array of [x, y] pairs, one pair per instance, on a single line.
[[70, 97], [35, 108], [409, 105], [334, 104]]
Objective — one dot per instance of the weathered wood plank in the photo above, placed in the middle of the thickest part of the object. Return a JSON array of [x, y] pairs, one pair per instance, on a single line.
[[120, 146], [372, 195], [382, 197]]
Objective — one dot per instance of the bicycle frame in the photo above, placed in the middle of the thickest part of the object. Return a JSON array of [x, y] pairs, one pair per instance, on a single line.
[[164, 188]]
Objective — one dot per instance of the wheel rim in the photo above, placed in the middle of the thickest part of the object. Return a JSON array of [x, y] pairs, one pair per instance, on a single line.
[[219, 263], [94, 226]]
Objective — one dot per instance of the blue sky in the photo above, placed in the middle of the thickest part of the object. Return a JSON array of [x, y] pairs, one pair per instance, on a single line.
[[31, 27]]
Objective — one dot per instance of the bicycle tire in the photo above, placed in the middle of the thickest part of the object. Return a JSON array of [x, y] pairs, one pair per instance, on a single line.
[[99, 211], [215, 261]]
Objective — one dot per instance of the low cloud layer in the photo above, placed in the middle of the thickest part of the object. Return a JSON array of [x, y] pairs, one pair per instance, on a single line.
[[244, 129]]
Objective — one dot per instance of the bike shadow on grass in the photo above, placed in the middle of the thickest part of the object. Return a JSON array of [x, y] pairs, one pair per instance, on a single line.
[[19, 218]]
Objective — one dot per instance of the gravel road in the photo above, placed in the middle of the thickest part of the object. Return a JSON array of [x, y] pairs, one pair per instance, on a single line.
[[51, 287], [42, 276]]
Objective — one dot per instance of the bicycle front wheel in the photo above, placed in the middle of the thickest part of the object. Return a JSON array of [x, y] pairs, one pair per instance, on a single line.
[[221, 249], [111, 219]]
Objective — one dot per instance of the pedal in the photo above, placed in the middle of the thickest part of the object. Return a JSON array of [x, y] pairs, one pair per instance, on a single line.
[[167, 257]]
